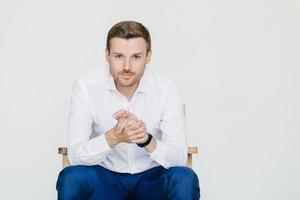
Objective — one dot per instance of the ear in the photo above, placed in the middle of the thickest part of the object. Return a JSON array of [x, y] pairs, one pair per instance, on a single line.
[[107, 55], [148, 59]]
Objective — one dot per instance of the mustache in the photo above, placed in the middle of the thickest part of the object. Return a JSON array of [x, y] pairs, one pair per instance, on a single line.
[[126, 73]]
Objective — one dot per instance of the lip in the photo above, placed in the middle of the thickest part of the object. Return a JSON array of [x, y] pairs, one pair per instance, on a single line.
[[126, 76]]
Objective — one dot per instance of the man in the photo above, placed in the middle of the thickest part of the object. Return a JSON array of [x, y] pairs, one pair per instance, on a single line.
[[127, 137]]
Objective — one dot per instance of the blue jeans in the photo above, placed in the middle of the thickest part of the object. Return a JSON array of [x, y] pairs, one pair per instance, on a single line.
[[97, 183]]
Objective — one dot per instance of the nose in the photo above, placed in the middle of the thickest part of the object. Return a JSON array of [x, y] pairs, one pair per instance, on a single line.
[[127, 65]]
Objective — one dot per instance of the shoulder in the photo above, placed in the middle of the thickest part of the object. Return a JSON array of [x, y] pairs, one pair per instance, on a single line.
[[161, 82], [163, 88]]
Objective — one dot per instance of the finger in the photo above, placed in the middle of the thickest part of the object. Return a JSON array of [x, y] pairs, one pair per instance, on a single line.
[[143, 128], [138, 136], [123, 125], [140, 140], [133, 122], [124, 114], [118, 114], [130, 132], [120, 126], [132, 117], [130, 114], [135, 125]]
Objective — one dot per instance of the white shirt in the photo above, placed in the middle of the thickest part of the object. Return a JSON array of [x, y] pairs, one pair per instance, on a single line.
[[157, 102]]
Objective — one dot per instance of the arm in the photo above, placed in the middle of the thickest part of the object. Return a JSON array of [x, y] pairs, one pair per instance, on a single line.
[[81, 149], [171, 149]]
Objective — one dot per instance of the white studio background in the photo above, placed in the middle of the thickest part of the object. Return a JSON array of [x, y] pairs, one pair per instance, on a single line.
[[237, 62]]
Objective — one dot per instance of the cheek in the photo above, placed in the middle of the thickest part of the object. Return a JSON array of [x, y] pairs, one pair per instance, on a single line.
[[139, 66], [115, 66], [116, 63]]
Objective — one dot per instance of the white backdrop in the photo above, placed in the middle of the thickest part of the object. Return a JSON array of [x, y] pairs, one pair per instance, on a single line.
[[237, 63]]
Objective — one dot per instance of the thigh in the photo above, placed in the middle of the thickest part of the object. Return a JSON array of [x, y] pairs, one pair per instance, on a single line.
[[152, 185], [176, 183], [107, 185], [89, 182], [182, 183]]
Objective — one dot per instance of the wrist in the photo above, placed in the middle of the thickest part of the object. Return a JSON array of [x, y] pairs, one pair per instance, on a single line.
[[151, 146], [147, 142]]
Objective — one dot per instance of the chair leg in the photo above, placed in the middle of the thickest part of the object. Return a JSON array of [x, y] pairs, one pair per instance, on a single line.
[[189, 160]]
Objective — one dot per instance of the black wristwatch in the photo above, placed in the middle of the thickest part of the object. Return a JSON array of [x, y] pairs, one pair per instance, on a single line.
[[147, 142]]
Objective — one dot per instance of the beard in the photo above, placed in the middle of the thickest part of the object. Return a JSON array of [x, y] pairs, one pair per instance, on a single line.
[[127, 79]]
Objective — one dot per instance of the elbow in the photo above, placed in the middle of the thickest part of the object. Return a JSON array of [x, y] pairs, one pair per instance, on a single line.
[[77, 156], [182, 156], [176, 157]]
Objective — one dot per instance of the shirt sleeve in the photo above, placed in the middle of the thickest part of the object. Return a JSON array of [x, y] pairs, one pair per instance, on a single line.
[[81, 149], [171, 150]]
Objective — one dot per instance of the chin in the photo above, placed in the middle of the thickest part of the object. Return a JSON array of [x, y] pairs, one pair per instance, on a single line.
[[126, 83]]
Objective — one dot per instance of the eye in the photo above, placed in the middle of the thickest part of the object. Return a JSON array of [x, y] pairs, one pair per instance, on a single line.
[[118, 56], [137, 57]]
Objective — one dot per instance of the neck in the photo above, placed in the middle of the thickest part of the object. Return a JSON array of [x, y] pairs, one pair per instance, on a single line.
[[127, 91]]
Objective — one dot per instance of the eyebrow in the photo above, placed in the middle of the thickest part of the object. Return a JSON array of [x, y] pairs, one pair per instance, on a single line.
[[138, 53]]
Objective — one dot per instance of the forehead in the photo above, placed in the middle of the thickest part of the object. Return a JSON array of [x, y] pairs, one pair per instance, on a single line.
[[132, 45]]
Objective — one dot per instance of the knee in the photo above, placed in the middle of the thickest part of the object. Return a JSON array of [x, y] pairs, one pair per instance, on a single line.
[[73, 175], [184, 175], [184, 183]]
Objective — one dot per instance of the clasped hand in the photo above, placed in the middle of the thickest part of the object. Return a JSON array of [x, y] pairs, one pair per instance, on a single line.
[[129, 128]]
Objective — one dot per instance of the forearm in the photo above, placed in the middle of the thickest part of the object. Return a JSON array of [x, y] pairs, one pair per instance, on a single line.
[[89, 152]]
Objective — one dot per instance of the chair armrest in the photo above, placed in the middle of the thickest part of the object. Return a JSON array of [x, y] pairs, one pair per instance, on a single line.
[[65, 162]]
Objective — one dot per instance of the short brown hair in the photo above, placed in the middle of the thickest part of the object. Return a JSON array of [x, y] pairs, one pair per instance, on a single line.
[[128, 30]]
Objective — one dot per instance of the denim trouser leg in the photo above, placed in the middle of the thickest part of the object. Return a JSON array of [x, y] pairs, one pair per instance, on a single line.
[[175, 183], [88, 183], [97, 183], [183, 184]]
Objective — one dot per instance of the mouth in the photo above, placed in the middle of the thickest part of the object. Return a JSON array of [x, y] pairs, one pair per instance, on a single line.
[[126, 76]]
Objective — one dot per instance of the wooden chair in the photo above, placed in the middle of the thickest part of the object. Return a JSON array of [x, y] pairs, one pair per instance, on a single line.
[[65, 162]]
